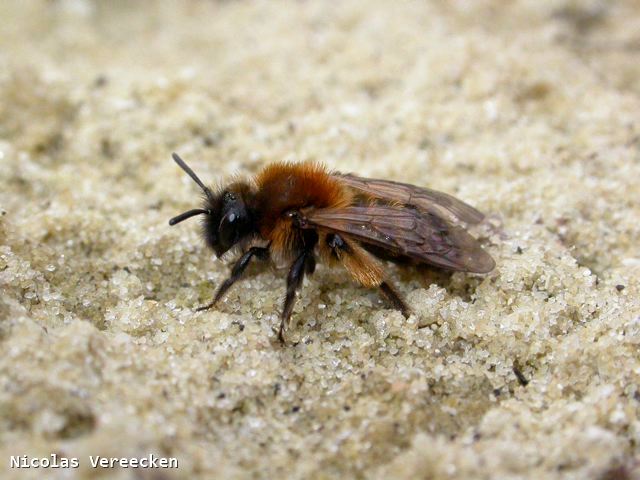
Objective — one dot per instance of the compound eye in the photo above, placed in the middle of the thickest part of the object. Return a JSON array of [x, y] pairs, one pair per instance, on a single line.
[[227, 220], [227, 230]]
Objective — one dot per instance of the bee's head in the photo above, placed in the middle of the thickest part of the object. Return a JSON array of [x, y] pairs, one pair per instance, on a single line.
[[226, 220]]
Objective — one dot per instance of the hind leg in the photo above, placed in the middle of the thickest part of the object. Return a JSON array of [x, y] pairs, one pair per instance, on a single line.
[[395, 298], [365, 269]]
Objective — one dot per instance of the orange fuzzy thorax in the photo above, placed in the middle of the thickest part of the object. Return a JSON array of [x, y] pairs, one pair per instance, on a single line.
[[282, 187]]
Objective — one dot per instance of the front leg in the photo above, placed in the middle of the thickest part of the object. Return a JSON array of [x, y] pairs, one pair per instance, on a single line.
[[236, 272], [304, 262]]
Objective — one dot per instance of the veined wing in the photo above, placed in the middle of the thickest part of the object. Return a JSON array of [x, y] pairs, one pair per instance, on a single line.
[[424, 199], [423, 237]]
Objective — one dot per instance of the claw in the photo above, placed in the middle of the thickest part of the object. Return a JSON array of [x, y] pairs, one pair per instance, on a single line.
[[205, 307]]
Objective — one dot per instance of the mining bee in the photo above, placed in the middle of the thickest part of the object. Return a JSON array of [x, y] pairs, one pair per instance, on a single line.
[[295, 212]]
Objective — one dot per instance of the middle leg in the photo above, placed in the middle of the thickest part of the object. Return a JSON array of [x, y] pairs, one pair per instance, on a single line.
[[304, 263]]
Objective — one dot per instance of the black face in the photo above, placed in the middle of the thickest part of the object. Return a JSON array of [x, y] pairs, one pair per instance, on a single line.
[[227, 222]]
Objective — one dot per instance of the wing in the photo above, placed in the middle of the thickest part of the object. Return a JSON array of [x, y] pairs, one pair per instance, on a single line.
[[424, 199], [423, 237]]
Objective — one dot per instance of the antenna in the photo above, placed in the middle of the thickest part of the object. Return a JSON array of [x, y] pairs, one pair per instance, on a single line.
[[189, 214], [181, 163]]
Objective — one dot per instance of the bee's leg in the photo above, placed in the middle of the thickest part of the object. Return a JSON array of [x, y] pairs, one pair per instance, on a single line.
[[394, 297], [236, 272], [364, 270], [337, 244], [304, 262], [310, 266]]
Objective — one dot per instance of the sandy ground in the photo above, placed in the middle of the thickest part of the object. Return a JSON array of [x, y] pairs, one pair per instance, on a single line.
[[528, 110]]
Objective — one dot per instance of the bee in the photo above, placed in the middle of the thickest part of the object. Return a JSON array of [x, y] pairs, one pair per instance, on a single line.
[[296, 212]]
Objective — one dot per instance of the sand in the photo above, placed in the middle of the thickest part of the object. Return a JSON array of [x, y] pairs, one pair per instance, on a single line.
[[529, 110]]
